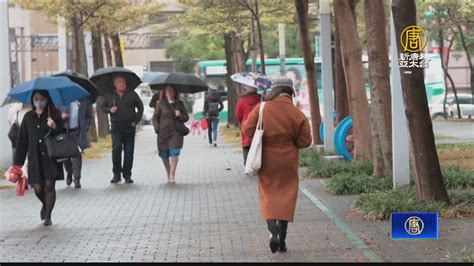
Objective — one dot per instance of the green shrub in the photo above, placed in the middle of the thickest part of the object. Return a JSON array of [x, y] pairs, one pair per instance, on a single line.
[[460, 196], [348, 184], [307, 157], [380, 204], [456, 178], [325, 169]]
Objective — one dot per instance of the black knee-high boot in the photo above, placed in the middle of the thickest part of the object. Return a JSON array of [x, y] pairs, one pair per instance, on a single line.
[[274, 230], [282, 235]]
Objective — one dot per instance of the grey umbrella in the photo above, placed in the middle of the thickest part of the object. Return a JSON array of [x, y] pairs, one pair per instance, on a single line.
[[184, 83], [103, 78]]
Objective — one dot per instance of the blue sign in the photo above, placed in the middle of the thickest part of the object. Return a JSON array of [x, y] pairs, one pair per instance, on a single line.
[[414, 225]]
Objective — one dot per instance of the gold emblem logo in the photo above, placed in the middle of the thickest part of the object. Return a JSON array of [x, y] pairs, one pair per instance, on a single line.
[[414, 225], [413, 39]]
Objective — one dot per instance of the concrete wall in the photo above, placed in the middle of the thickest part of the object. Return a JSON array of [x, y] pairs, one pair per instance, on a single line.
[[5, 146]]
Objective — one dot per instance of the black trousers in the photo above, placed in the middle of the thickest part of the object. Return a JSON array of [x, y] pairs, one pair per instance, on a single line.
[[123, 138], [73, 167], [246, 153]]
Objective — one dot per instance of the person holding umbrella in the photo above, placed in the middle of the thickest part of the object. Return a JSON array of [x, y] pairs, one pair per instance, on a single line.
[[126, 109], [171, 114], [168, 111], [246, 104], [78, 117], [44, 119]]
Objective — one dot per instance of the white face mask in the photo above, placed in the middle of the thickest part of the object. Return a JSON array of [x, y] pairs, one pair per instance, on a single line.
[[40, 104]]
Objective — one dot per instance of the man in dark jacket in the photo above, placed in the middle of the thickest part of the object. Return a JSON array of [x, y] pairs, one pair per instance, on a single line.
[[77, 118], [126, 109], [213, 105]]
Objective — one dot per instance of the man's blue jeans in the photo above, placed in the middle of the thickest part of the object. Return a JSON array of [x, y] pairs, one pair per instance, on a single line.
[[213, 126]]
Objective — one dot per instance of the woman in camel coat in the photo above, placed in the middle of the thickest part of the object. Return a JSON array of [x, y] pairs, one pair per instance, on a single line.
[[286, 129]]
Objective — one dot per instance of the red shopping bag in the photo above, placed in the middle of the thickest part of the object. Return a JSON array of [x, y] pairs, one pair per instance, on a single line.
[[13, 174], [21, 186], [204, 124]]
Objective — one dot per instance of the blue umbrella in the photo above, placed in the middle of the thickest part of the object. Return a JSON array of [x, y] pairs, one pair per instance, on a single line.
[[61, 89]]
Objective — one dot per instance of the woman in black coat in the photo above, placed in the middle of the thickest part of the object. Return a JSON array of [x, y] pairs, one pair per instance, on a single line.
[[42, 170]]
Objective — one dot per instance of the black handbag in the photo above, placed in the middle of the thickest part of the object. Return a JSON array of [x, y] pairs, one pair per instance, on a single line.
[[183, 130], [62, 146]]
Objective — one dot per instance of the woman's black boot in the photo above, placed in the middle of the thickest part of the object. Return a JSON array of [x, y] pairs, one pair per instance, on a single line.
[[283, 225], [274, 230]]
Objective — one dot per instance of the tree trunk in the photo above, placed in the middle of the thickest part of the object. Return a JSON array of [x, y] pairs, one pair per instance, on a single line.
[[79, 59], [448, 53], [380, 80], [341, 100], [97, 51], [108, 51], [252, 48], [235, 63], [117, 52], [351, 51], [98, 58], [468, 55], [260, 39], [444, 66], [79, 48], [311, 75], [428, 177]]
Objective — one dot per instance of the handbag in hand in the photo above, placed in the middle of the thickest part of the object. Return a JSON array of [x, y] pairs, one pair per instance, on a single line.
[[254, 158], [62, 146], [183, 130]]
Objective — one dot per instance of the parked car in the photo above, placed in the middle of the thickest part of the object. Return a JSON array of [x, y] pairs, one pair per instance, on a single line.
[[465, 104]]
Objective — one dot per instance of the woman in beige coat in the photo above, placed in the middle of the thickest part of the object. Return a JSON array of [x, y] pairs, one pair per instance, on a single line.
[[286, 129]]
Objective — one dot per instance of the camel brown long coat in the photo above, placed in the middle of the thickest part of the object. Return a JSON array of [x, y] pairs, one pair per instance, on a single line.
[[286, 129]]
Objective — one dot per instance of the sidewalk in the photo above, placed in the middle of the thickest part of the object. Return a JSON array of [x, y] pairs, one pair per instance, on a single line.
[[211, 214]]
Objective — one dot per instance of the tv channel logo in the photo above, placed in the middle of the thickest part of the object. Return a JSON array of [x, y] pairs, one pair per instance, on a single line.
[[414, 225]]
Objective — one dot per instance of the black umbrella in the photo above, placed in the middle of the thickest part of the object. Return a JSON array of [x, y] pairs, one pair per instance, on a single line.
[[184, 83], [82, 81], [103, 78]]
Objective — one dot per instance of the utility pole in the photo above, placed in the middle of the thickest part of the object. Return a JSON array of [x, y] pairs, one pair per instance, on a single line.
[[281, 35], [326, 64]]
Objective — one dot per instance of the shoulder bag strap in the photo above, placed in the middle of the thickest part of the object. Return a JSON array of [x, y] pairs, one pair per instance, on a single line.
[[260, 116]]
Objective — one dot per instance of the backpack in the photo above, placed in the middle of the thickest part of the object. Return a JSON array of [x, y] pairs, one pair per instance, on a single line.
[[213, 105]]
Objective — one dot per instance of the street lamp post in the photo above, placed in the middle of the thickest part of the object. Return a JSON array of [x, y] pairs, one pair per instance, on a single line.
[[62, 48], [5, 84], [400, 154]]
